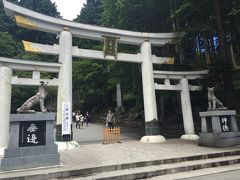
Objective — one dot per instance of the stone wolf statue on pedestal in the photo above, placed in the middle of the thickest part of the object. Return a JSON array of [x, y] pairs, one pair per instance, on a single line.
[[39, 97], [213, 102]]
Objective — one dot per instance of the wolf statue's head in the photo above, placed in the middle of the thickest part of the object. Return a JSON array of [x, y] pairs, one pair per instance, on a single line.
[[43, 83], [211, 90]]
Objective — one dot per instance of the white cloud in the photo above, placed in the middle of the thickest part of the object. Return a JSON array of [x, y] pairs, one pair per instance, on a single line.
[[69, 9]]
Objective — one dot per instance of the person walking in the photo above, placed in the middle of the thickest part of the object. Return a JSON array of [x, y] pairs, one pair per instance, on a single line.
[[77, 117], [110, 120], [81, 119], [87, 118]]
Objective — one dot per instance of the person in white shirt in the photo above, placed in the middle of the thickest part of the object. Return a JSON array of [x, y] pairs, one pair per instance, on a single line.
[[77, 120]]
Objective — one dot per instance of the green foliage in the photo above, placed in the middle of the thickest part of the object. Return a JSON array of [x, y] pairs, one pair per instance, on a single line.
[[90, 13], [192, 17], [110, 13], [6, 24], [7, 45], [89, 83], [203, 19], [42, 6], [144, 15]]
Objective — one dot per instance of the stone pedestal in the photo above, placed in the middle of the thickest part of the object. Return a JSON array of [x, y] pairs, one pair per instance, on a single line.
[[219, 129], [31, 142], [152, 133], [63, 137]]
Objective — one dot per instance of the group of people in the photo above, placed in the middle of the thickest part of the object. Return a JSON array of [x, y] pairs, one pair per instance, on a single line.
[[80, 119]]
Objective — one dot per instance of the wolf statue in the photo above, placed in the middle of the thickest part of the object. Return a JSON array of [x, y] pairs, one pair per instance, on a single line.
[[39, 97], [213, 102]]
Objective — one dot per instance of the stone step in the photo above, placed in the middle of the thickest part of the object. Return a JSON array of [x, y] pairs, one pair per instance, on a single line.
[[158, 170], [154, 168], [132, 166], [199, 173]]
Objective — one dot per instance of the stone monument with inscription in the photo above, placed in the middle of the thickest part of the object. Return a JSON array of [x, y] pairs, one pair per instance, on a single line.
[[31, 142], [219, 127]]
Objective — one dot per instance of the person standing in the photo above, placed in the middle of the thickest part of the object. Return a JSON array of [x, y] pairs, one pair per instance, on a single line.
[[73, 116], [87, 118], [110, 120], [77, 117]]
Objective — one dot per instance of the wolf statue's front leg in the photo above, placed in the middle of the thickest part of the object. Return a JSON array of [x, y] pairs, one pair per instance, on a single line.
[[209, 105], [214, 104], [41, 102]]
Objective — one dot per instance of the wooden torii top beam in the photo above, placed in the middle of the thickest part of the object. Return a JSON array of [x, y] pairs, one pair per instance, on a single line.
[[33, 20]]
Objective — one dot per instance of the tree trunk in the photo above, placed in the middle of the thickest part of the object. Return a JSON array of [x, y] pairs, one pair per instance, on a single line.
[[224, 61], [207, 52], [235, 66]]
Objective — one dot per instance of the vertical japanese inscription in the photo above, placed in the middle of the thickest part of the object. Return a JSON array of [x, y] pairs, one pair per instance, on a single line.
[[32, 133], [66, 118], [225, 123]]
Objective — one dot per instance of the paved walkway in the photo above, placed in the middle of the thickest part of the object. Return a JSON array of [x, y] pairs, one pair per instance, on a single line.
[[93, 134], [92, 153]]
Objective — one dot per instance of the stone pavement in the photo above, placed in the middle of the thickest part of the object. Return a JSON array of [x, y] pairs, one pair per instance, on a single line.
[[130, 150], [94, 134]]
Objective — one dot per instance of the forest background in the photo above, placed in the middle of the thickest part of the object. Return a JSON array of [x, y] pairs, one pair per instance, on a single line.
[[211, 42]]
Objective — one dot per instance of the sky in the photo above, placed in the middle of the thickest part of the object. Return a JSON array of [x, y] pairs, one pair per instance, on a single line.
[[69, 9]]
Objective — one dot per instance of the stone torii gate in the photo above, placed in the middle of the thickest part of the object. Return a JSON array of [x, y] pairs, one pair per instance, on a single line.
[[67, 29], [183, 86]]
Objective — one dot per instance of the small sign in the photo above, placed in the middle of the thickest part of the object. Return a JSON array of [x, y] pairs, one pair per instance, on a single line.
[[225, 124], [32, 133], [66, 118]]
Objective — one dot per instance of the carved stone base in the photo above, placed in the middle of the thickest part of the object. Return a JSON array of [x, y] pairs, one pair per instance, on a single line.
[[62, 137], [153, 139], [152, 133], [219, 129], [152, 128], [189, 137], [67, 145], [31, 142]]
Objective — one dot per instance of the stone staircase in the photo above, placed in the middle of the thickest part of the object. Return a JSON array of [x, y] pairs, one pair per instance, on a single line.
[[159, 168], [164, 169], [172, 168]]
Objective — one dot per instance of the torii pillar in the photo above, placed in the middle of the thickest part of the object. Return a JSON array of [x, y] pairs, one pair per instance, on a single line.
[[65, 87], [152, 134], [187, 112], [5, 99]]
